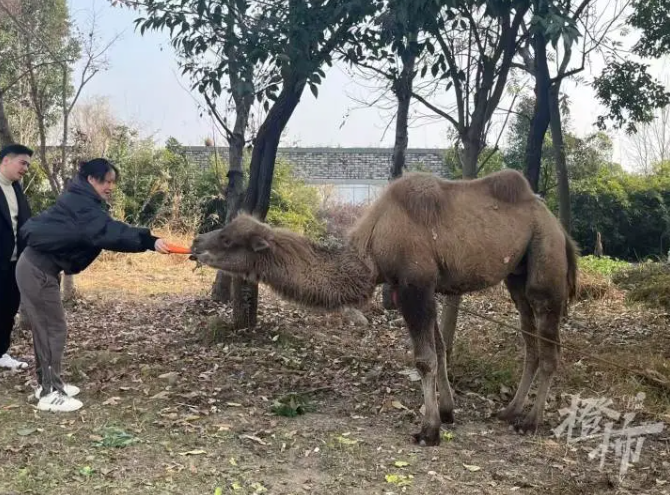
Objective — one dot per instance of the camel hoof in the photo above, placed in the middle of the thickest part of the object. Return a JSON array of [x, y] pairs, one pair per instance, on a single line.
[[427, 437], [447, 416], [526, 426], [508, 416]]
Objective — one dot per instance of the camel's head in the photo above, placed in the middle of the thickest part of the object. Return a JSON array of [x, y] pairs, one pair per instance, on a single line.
[[238, 248]]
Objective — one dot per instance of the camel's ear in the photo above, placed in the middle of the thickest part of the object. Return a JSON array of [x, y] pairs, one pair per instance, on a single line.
[[259, 244]]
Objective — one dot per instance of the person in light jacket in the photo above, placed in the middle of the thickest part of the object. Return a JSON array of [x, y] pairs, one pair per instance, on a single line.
[[68, 237], [14, 211]]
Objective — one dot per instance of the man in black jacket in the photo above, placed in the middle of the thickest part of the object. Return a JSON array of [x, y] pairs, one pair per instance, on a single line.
[[14, 211], [67, 237]]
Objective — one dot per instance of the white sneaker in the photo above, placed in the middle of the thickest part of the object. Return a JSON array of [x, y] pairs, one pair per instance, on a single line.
[[70, 391], [7, 361], [58, 402]]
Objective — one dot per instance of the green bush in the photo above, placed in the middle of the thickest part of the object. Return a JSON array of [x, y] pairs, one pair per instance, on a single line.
[[603, 265], [294, 204], [630, 212]]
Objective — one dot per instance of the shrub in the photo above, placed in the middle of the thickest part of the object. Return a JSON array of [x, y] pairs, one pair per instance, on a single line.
[[603, 265], [293, 203], [630, 212], [648, 283]]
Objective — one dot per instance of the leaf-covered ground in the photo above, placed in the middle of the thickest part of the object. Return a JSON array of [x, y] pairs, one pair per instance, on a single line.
[[308, 403]]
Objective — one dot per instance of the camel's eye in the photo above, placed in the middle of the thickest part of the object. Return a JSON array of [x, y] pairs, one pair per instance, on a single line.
[[225, 243]]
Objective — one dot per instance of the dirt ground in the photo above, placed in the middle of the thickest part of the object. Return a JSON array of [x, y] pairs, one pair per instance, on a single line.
[[177, 403]]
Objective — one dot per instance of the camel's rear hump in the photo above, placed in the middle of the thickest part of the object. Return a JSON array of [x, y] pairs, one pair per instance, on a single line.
[[471, 232]]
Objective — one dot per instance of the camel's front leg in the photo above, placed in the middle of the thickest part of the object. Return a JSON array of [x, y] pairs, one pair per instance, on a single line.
[[417, 304]]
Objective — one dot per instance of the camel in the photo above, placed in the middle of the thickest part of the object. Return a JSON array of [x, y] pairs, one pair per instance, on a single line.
[[426, 235]]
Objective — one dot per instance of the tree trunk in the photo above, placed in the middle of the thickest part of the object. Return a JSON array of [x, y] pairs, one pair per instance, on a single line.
[[222, 289], [69, 289], [541, 113], [470, 158], [403, 91], [6, 137], [599, 244], [257, 198], [41, 127], [242, 88], [402, 88], [561, 162]]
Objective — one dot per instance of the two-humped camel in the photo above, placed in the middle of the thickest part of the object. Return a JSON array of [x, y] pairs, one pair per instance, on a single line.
[[425, 235]]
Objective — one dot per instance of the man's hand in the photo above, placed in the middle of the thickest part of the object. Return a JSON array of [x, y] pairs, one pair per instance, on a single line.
[[161, 246]]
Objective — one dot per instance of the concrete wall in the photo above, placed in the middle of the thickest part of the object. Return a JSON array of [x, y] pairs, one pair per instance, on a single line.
[[339, 165]]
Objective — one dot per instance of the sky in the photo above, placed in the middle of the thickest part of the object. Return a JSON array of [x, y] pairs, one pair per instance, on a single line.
[[144, 87]]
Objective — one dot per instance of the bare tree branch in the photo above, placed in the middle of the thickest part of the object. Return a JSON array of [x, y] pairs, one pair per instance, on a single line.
[[435, 109]]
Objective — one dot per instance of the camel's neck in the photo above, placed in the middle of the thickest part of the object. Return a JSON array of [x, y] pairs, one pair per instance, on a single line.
[[318, 276]]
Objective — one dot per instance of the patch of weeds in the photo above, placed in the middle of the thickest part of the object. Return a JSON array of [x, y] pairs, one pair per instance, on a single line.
[[217, 330], [602, 265], [647, 283], [86, 471], [447, 436], [115, 438], [291, 405], [344, 443]]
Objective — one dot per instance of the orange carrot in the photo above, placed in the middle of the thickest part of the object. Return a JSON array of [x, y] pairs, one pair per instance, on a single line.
[[177, 249]]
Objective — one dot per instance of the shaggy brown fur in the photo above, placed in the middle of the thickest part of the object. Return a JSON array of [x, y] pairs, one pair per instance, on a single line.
[[426, 235], [328, 278]]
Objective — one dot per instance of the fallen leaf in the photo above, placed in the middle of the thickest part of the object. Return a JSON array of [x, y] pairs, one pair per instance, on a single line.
[[399, 479], [398, 405], [400, 463], [112, 401], [255, 439], [24, 432], [346, 441], [258, 488], [471, 467], [193, 452]]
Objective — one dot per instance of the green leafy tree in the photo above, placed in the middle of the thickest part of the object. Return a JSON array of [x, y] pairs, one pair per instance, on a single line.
[[630, 93]]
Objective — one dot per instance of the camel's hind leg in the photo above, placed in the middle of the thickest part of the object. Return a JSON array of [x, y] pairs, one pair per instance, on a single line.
[[448, 323], [546, 292], [517, 288], [446, 404], [548, 315], [417, 303]]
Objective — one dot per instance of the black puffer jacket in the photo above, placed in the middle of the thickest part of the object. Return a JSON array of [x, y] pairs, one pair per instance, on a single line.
[[77, 228]]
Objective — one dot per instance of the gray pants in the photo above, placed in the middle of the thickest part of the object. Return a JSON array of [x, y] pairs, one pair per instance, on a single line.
[[40, 294]]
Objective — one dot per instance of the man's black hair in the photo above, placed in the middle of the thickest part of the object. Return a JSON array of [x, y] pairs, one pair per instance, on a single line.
[[96, 168], [15, 149]]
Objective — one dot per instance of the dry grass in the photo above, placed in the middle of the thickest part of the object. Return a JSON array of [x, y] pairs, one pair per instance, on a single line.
[[123, 275], [594, 286]]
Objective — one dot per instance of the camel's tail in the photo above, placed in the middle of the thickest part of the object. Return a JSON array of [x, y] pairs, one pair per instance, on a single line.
[[571, 252]]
